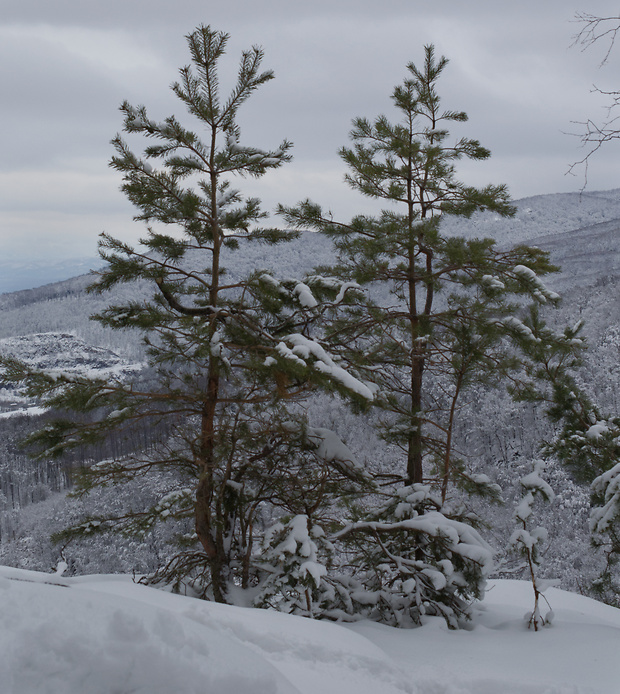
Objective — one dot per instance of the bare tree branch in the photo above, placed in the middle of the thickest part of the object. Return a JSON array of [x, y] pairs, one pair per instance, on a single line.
[[595, 29], [594, 135]]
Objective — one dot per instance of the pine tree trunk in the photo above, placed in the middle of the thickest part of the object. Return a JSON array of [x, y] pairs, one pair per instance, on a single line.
[[207, 535], [211, 537], [414, 447], [414, 443]]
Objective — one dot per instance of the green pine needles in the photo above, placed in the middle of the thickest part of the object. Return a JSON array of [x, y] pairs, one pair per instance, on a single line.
[[451, 314], [410, 319], [230, 360]]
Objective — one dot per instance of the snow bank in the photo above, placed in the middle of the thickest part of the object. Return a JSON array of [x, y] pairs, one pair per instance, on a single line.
[[72, 639], [103, 634]]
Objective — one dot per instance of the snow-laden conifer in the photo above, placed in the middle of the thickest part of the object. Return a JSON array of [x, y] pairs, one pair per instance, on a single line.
[[294, 560], [229, 359], [453, 315], [585, 440], [413, 561]]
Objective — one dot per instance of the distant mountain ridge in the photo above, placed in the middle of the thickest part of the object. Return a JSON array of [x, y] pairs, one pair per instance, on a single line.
[[16, 275]]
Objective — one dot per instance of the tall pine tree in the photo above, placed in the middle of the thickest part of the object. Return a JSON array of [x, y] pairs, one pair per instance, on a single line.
[[454, 300], [228, 356], [451, 319]]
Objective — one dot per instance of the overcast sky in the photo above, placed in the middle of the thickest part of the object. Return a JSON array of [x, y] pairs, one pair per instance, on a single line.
[[66, 65]]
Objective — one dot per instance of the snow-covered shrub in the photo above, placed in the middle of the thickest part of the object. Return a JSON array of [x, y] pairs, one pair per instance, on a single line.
[[605, 529], [295, 560], [413, 560]]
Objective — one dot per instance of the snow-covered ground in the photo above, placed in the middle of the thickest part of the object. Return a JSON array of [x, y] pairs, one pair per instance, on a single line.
[[107, 635]]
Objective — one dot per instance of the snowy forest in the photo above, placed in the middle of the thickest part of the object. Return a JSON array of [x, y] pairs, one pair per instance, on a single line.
[[347, 420]]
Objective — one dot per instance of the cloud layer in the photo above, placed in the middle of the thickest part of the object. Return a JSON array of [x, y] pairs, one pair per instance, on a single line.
[[66, 66]]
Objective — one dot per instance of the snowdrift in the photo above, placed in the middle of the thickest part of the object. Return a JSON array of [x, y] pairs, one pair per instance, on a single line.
[[105, 634]]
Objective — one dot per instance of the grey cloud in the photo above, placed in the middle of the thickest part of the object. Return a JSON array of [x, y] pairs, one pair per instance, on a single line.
[[511, 69]]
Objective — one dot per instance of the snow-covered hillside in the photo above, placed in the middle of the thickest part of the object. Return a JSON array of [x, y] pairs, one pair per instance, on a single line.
[[538, 216], [59, 353], [104, 634], [65, 353], [580, 230], [543, 215]]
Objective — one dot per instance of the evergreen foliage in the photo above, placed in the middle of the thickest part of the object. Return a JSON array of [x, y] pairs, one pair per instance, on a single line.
[[230, 360], [452, 319], [410, 320]]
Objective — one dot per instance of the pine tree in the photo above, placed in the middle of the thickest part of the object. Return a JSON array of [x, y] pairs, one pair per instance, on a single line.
[[229, 357], [452, 315], [453, 300]]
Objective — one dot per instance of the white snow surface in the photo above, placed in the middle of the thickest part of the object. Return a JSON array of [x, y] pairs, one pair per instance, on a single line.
[[104, 634], [304, 347]]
